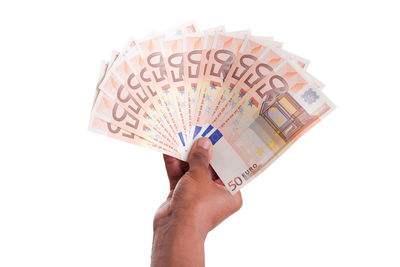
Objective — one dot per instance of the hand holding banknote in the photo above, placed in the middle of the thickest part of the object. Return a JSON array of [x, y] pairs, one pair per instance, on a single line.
[[245, 93], [198, 201]]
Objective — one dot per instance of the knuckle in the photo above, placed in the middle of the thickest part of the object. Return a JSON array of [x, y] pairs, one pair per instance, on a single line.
[[191, 174], [197, 172], [198, 156], [238, 202]]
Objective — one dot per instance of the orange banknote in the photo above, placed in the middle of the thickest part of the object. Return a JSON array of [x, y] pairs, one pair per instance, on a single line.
[[249, 96]]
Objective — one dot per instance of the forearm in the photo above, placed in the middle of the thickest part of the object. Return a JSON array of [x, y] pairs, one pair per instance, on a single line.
[[177, 245]]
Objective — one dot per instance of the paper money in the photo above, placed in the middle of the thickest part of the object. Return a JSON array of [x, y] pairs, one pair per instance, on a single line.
[[154, 106], [196, 51], [99, 125], [252, 48], [269, 118], [154, 62], [200, 97], [248, 95], [172, 53], [222, 54]]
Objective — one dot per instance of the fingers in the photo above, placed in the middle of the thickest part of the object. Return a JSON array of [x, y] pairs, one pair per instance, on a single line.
[[214, 175], [199, 158], [175, 169], [200, 154], [238, 200]]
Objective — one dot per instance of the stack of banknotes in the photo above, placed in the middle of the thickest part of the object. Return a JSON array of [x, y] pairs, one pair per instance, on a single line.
[[249, 96]]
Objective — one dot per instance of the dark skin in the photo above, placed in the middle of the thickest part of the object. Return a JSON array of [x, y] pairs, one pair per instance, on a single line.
[[197, 202]]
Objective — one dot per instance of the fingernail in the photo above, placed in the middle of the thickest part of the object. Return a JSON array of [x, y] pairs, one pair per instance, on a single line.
[[204, 143]]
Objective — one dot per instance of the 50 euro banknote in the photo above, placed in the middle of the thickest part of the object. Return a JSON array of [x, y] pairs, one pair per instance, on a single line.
[[244, 65], [130, 86], [197, 47], [264, 60], [272, 115], [169, 94], [250, 97], [231, 56], [121, 84], [107, 118], [220, 58]]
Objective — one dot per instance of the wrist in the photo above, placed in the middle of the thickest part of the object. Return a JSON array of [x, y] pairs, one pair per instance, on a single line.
[[177, 243], [185, 219], [174, 224]]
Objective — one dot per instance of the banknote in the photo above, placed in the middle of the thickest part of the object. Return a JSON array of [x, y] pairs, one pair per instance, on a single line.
[[99, 125], [249, 96], [248, 53], [172, 53], [120, 84], [193, 49], [108, 109], [270, 59], [141, 79], [252, 49], [287, 77], [272, 115], [151, 52], [203, 100], [102, 72], [196, 52], [105, 66], [222, 54]]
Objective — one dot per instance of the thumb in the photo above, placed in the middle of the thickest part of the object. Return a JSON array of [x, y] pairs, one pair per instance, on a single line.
[[200, 155]]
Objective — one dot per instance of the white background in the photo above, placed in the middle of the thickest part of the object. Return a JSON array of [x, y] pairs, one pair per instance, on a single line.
[[69, 197]]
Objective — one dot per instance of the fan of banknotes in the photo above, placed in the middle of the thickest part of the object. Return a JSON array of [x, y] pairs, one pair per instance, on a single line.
[[245, 93]]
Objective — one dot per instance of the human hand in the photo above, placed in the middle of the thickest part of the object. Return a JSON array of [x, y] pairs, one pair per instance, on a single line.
[[198, 201]]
